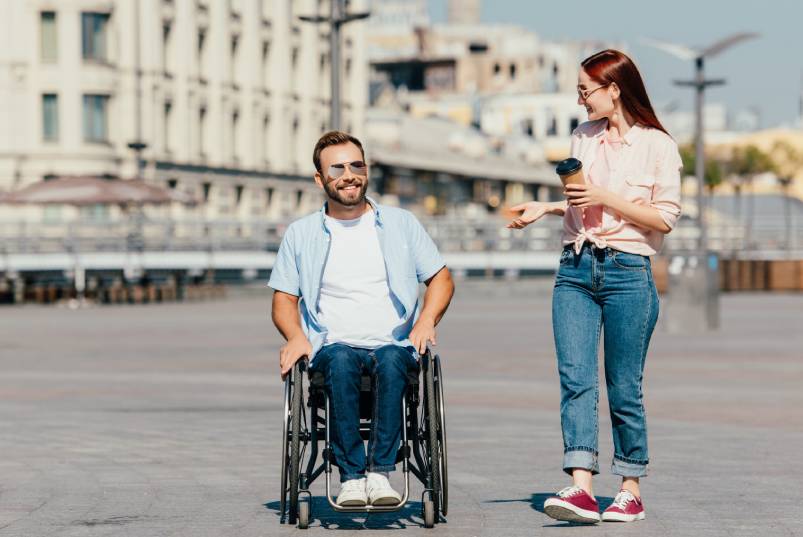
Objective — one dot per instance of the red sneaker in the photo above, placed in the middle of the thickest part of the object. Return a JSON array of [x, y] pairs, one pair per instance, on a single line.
[[625, 508], [573, 504]]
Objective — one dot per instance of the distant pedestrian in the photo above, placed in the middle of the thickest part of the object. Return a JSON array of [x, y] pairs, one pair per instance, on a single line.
[[623, 196]]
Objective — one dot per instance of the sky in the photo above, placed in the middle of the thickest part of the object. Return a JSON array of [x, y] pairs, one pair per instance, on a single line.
[[765, 73]]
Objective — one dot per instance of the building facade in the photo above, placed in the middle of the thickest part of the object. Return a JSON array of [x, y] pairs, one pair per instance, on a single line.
[[222, 99]]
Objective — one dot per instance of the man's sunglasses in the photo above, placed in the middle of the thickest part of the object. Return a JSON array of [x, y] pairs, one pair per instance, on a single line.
[[357, 167]]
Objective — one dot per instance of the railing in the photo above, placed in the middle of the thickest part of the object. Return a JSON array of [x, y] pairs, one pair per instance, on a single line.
[[450, 234]]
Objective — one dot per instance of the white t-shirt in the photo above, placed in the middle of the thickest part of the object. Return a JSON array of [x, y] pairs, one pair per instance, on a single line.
[[355, 303]]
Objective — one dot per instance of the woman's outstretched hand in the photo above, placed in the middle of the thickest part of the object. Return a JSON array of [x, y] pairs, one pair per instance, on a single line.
[[530, 212]]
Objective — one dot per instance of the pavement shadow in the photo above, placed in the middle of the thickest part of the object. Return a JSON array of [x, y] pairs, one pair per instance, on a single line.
[[324, 516]]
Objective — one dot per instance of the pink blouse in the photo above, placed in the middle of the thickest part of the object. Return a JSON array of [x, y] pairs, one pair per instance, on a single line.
[[643, 167]]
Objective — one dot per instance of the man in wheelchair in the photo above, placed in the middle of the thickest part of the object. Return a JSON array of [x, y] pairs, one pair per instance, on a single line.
[[346, 282]]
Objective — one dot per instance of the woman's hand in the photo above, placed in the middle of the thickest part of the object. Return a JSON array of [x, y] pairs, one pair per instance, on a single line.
[[530, 212], [586, 195]]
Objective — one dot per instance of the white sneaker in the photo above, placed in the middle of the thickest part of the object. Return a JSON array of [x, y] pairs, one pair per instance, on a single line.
[[352, 493], [379, 490]]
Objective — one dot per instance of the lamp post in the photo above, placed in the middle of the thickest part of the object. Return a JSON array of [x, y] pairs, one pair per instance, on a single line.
[[336, 19], [704, 264]]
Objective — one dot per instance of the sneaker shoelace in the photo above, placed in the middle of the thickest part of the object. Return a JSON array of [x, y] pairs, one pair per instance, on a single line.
[[570, 491], [623, 498]]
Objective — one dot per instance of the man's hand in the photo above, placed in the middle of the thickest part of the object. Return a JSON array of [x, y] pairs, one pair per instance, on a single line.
[[291, 352], [423, 332]]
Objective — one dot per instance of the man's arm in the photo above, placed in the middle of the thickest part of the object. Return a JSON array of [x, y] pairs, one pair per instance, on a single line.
[[288, 321], [440, 289]]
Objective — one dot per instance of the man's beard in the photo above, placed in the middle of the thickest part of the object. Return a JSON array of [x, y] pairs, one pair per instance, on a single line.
[[349, 199]]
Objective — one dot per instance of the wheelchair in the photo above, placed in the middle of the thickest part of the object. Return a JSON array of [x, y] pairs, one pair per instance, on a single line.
[[422, 449]]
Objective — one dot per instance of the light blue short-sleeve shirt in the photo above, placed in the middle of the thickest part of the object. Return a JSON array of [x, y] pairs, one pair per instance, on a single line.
[[411, 257]]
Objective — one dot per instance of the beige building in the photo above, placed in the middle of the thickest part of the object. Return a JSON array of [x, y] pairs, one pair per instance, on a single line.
[[228, 96], [478, 59]]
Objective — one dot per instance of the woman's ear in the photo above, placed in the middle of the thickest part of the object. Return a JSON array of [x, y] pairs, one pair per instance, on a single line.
[[615, 92]]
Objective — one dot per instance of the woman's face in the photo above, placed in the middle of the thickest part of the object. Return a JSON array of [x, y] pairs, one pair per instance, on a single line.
[[596, 97]]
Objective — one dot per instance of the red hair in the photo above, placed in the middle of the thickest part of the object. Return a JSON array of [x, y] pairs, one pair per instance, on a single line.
[[611, 66]]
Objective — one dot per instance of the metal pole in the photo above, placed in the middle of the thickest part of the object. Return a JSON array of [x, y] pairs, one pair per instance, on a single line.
[[138, 145], [138, 75], [337, 18], [334, 63], [699, 162]]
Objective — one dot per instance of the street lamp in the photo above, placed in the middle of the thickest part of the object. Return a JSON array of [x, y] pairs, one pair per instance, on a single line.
[[700, 84], [336, 19], [702, 277]]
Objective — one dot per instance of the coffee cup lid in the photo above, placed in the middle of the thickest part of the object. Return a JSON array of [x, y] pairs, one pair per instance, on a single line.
[[568, 166]]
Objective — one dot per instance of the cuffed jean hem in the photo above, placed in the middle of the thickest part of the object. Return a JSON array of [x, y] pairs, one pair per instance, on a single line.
[[349, 477], [382, 468], [580, 458], [628, 469]]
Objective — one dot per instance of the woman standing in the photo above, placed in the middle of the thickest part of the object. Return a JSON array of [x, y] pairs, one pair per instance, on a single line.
[[611, 224]]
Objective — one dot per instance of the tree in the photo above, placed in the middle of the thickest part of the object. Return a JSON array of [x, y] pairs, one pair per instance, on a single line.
[[748, 162], [787, 161], [713, 167]]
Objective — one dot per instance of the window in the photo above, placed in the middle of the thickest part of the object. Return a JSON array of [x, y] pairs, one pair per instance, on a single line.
[[235, 42], [265, 136], [235, 120], [50, 117], [96, 112], [265, 59], [52, 214], [573, 123], [201, 131], [512, 71], [168, 110], [94, 36], [552, 128], [201, 51], [95, 213], [167, 32], [49, 36]]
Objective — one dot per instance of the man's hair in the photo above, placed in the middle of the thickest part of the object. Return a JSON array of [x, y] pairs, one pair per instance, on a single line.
[[333, 138]]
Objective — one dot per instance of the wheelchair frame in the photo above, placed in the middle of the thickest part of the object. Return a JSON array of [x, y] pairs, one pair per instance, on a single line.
[[427, 434]]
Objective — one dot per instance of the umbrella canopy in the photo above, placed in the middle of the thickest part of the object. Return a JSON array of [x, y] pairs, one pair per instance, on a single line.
[[94, 190]]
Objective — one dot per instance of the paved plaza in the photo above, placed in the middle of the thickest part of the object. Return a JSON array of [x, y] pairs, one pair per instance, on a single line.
[[165, 420]]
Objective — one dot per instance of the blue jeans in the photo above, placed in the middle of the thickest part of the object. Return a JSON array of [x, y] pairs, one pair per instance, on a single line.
[[342, 367], [611, 291]]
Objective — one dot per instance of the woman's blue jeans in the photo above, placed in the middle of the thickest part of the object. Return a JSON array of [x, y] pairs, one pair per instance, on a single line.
[[603, 290], [342, 367]]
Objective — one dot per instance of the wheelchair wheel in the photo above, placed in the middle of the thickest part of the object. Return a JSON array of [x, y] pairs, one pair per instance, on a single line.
[[303, 515], [428, 513], [297, 407], [432, 426], [285, 440], [444, 474]]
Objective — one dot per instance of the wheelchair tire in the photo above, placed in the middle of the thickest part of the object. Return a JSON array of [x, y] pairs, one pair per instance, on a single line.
[[303, 515], [444, 485], [433, 424], [285, 441], [295, 441]]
